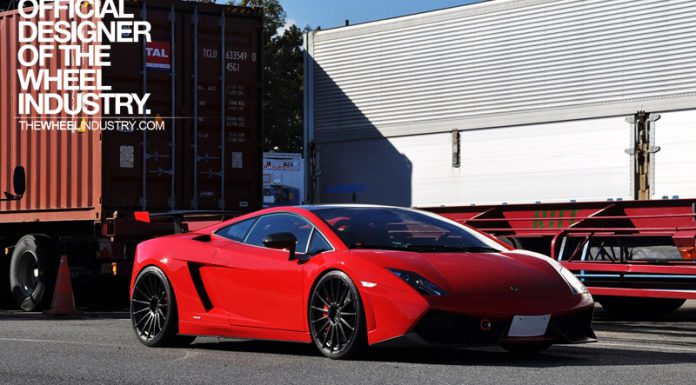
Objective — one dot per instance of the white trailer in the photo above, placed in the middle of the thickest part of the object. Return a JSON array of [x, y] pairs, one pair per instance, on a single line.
[[283, 179], [505, 101]]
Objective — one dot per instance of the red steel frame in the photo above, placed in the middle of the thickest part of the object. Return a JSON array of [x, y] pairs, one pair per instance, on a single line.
[[547, 224]]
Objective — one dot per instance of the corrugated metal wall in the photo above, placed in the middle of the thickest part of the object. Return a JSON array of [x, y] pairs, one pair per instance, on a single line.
[[502, 63]]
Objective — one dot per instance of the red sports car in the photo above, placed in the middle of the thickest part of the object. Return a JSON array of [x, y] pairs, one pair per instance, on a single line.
[[347, 276]]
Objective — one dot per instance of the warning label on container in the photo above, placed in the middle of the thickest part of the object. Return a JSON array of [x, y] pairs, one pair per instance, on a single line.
[[237, 160], [158, 55], [127, 157]]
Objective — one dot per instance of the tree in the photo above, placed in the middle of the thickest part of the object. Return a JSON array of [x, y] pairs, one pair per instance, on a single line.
[[283, 78]]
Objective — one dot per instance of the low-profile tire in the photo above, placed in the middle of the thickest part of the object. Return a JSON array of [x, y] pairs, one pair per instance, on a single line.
[[32, 272], [527, 347], [336, 316], [629, 307], [153, 310]]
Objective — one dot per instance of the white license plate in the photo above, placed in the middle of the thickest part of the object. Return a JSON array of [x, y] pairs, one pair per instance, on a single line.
[[529, 325]]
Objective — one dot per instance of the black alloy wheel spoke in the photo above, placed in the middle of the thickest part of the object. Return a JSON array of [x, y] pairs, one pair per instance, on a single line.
[[343, 333], [346, 323]]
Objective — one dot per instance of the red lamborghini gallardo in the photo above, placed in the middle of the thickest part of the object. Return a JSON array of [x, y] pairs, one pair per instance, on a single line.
[[347, 276]]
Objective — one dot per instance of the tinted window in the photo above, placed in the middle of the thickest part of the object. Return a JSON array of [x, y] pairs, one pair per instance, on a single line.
[[237, 231], [394, 228], [318, 244], [281, 223]]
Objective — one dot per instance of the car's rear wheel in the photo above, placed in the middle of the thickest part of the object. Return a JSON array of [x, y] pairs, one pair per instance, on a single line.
[[153, 310], [526, 347], [336, 318]]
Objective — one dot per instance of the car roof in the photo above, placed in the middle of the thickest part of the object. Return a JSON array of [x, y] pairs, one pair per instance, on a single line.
[[317, 207]]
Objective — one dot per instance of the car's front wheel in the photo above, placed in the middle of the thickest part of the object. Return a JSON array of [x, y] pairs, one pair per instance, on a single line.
[[336, 318], [153, 310]]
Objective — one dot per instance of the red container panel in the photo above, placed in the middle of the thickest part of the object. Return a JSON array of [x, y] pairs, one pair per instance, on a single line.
[[205, 85]]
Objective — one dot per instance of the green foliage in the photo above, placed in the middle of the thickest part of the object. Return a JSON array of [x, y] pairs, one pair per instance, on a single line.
[[283, 78]]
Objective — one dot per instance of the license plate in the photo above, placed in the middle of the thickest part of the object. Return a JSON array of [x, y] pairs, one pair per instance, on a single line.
[[529, 325]]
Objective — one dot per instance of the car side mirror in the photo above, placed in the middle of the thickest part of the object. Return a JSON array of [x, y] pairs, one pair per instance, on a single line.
[[284, 241], [19, 184]]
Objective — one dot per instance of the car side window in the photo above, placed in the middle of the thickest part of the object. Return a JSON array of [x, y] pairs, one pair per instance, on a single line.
[[318, 244], [281, 223], [237, 231]]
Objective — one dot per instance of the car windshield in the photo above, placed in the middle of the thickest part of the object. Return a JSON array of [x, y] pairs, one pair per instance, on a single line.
[[402, 229]]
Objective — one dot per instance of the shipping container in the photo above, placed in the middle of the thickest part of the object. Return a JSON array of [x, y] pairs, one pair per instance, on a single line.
[[504, 101], [203, 69]]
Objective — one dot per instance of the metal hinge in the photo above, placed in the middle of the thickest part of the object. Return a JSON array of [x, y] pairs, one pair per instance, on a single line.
[[206, 157], [161, 171], [210, 173]]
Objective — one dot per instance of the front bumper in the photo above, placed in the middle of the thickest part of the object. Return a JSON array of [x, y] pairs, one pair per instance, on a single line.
[[443, 328]]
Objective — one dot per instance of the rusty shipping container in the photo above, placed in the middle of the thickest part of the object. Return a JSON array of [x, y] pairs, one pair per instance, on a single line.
[[207, 94], [203, 71]]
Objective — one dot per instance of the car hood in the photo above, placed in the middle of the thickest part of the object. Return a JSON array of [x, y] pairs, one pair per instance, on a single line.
[[519, 274]]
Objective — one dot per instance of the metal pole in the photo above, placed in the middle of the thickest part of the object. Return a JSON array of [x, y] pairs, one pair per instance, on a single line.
[[172, 73], [143, 199], [221, 202], [194, 199]]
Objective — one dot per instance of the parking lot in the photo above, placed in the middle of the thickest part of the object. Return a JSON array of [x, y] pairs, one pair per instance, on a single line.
[[100, 348]]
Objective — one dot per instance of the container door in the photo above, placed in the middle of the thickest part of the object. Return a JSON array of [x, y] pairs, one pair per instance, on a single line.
[[144, 157], [225, 135]]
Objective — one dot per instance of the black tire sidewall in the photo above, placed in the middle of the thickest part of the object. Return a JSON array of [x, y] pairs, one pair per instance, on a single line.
[[38, 246], [169, 333], [359, 339]]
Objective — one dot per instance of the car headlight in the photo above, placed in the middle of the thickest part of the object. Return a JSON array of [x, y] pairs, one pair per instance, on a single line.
[[419, 283], [573, 282]]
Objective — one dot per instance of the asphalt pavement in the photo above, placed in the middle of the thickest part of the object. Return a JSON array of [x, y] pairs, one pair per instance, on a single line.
[[100, 348]]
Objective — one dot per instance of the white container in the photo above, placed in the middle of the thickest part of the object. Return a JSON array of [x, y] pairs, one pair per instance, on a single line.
[[283, 179]]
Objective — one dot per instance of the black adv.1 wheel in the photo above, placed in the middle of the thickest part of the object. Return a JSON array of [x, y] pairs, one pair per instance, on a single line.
[[336, 319], [153, 310]]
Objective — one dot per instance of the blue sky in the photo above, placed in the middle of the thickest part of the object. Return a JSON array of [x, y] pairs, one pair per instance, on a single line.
[[332, 13]]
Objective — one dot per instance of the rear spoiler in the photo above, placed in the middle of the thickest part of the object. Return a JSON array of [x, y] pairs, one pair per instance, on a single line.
[[179, 216]]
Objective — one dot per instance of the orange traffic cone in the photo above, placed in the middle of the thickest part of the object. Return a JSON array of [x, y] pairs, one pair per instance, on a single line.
[[63, 303]]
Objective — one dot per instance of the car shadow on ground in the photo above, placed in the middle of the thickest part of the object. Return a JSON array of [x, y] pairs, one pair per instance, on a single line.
[[560, 355]]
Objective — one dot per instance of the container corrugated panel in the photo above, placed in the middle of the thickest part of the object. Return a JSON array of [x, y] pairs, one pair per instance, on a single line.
[[208, 157], [63, 168], [501, 63]]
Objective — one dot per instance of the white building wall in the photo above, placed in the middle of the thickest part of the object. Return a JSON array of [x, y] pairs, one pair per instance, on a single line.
[[582, 160], [502, 63], [675, 163], [539, 90]]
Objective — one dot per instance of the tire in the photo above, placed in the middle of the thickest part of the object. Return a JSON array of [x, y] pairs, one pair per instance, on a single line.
[[336, 316], [527, 347], [629, 307], [153, 310], [32, 272]]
